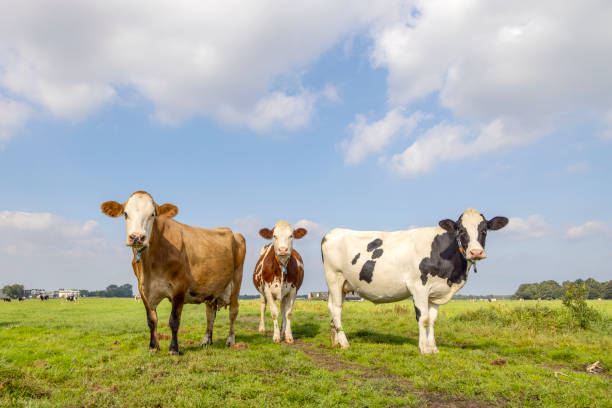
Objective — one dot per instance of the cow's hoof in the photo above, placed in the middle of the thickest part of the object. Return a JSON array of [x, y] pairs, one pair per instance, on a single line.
[[344, 346], [153, 349], [262, 329], [230, 341], [173, 353], [206, 342], [276, 339]]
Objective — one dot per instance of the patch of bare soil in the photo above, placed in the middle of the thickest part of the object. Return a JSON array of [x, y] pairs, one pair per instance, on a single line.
[[401, 386], [239, 346]]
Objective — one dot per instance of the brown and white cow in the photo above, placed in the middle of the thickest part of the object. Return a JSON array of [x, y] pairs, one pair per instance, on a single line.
[[181, 263], [278, 275]]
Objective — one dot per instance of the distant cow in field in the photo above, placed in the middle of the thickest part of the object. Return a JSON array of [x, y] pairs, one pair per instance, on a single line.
[[44, 297], [6, 299], [431, 264], [278, 275], [70, 298], [181, 263], [137, 298], [21, 299]]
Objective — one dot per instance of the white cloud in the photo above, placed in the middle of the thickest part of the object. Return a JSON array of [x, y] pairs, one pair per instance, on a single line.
[[279, 109], [606, 134], [370, 138], [13, 115], [534, 226], [525, 66], [248, 226], [448, 142], [578, 168], [187, 58], [315, 230], [589, 228], [26, 233]]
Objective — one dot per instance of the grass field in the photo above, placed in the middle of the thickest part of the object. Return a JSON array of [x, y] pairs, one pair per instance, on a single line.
[[94, 353]]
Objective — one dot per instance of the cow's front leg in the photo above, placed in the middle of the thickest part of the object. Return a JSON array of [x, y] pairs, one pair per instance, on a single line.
[[287, 309], [175, 322], [421, 309], [152, 322], [211, 314], [431, 340], [274, 313], [262, 307]]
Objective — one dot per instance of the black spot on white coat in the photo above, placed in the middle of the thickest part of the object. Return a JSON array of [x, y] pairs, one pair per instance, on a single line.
[[374, 244], [377, 253], [354, 261], [367, 270], [417, 313], [444, 261]]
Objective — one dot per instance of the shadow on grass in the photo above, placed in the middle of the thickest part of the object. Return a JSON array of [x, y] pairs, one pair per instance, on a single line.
[[369, 336], [7, 324], [304, 329]]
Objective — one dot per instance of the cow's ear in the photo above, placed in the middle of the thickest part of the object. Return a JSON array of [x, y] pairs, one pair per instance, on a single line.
[[167, 210], [448, 225], [496, 223], [266, 233], [299, 233], [112, 208]]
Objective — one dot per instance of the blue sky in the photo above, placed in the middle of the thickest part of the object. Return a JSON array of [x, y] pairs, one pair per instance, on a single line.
[[343, 115]]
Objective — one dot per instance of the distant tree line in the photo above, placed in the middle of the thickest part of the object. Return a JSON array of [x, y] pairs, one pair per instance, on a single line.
[[550, 289], [13, 291], [110, 291]]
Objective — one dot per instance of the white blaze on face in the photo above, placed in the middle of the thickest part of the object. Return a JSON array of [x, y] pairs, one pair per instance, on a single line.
[[139, 213], [472, 225], [283, 240]]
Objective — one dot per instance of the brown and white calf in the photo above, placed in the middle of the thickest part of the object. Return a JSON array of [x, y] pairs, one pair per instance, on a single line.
[[278, 275], [181, 263]]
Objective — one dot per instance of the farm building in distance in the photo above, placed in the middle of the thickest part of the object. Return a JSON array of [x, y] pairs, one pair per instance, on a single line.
[[325, 296]]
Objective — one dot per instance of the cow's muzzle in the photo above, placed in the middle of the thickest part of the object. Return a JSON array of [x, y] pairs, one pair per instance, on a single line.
[[136, 240], [477, 254]]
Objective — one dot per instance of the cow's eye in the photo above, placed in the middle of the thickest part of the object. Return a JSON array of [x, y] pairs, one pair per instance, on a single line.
[[274, 237], [125, 215]]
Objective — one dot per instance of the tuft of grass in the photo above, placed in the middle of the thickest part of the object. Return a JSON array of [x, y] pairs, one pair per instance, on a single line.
[[537, 317]]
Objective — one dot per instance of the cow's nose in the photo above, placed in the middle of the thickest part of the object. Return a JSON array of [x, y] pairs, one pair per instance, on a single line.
[[283, 250], [137, 238], [477, 253]]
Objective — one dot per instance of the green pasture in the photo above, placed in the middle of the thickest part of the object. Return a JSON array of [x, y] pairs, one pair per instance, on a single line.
[[94, 354]]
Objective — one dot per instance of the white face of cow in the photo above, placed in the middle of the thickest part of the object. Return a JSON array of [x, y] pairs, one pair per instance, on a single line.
[[139, 212], [471, 229], [282, 236]]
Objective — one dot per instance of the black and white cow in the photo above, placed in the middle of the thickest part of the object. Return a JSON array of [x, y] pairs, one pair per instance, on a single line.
[[430, 264]]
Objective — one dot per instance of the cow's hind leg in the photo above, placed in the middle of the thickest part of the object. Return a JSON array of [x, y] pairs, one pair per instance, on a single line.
[[421, 309], [335, 284], [175, 322], [431, 340], [262, 307], [211, 313], [233, 313]]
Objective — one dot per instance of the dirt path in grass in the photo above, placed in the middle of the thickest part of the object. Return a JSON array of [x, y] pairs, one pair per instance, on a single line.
[[401, 386]]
